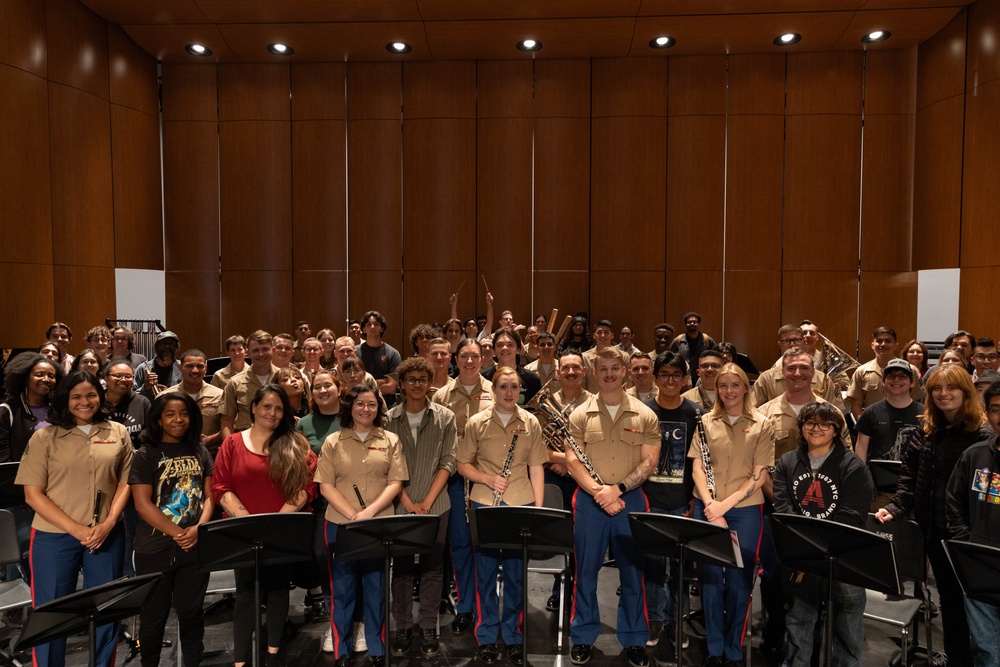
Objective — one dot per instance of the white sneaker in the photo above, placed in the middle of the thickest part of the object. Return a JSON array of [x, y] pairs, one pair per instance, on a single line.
[[328, 641], [360, 645]]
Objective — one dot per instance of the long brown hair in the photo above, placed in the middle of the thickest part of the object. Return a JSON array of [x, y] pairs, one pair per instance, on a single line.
[[970, 416], [286, 449]]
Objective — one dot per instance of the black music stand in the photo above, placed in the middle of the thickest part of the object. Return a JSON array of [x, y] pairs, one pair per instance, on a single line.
[[11, 494], [85, 610], [538, 529], [674, 536], [885, 474], [976, 566], [837, 552], [255, 541], [384, 537]]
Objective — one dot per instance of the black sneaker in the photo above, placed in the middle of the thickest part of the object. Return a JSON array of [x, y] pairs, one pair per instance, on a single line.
[[580, 654], [655, 628], [488, 653], [429, 645], [515, 653], [637, 656], [461, 623], [401, 644]]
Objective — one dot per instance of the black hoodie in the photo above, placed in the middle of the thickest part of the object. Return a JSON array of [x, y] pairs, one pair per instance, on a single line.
[[841, 490], [973, 497]]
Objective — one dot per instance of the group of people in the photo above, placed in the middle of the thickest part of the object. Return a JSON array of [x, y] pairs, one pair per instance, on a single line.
[[123, 458]]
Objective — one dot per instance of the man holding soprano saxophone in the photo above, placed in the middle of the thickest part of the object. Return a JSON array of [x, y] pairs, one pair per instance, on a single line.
[[613, 448]]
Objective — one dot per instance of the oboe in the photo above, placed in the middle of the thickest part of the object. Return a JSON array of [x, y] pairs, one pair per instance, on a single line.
[[361, 499], [706, 456], [505, 470]]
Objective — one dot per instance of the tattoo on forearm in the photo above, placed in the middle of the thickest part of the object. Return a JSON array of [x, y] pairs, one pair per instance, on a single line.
[[757, 476], [641, 473]]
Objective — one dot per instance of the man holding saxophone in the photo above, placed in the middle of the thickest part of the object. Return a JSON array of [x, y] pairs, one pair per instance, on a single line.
[[613, 449]]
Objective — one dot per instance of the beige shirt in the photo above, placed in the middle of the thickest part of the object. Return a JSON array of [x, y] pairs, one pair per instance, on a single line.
[[222, 376], [785, 423], [485, 446], [633, 392], [866, 384], [614, 446], [209, 400], [72, 467], [535, 367], [735, 450], [346, 462], [462, 403], [239, 392], [699, 396], [771, 384]]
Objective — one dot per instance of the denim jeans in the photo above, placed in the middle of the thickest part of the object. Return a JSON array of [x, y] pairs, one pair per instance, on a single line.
[[661, 588], [805, 597], [984, 628]]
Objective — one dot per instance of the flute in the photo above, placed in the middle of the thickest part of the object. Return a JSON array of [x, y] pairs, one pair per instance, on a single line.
[[360, 498]]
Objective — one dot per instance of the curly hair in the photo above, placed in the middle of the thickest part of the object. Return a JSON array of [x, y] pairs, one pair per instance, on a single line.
[[18, 370]]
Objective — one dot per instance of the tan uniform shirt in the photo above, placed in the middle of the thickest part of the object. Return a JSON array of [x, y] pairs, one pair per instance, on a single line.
[[699, 396], [771, 384], [346, 462], [590, 361], [239, 392], [209, 400], [631, 391], [545, 377], [866, 384], [72, 467], [222, 376], [614, 446], [485, 445], [735, 449], [463, 403], [785, 423]]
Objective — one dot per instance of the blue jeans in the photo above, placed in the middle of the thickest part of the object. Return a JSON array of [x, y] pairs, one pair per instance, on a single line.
[[725, 591], [805, 597], [661, 588], [984, 628]]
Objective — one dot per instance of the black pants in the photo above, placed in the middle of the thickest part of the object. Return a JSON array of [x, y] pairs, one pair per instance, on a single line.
[[273, 593], [953, 619], [185, 587]]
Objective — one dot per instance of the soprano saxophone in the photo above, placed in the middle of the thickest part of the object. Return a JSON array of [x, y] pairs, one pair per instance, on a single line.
[[706, 456], [555, 417], [505, 470]]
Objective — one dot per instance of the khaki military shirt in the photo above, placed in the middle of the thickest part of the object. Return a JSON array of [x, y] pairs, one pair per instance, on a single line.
[[345, 462], [735, 450], [699, 396], [866, 384], [785, 423], [238, 394], [485, 446], [544, 377], [771, 384], [209, 400], [614, 446], [463, 403]]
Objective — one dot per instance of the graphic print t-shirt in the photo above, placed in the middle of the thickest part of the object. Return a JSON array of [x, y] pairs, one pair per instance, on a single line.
[[670, 486], [177, 474]]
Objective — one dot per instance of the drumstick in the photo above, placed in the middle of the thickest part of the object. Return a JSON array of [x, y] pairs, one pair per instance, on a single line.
[[461, 286], [563, 327], [552, 319], [484, 283]]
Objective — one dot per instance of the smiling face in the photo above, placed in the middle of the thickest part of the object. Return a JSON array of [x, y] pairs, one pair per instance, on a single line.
[[948, 399], [897, 383], [120, 379], [193, 370], [641, 371], [312, 351], [84, 401], [915, 355], [61, 337], [268, 413], [798, 372], [506, 348], [453, 333], [363, 410], [325, 393], [670, 381], [99, 342], [440, 355], [571, 370], [610, 373], [282, 351], [41, 380], [416, 384], [731, 392], [260, 356], [174, 421], [89, 363]]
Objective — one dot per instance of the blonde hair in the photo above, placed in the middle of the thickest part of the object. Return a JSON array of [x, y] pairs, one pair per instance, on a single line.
[[732, 369]]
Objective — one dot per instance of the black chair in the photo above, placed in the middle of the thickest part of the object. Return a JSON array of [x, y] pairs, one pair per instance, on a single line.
[[554, 564], [13, 594]]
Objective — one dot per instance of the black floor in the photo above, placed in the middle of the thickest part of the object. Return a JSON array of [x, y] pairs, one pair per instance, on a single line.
[[302, 649]]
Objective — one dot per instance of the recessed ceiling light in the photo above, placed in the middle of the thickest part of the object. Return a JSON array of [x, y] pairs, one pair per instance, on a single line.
[[279, 49], [662, 42], [529, 45], [198, 50], [876, 36], [787, 39], [398, 47]]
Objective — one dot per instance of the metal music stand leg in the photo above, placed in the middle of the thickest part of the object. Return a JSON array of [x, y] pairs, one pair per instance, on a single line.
[[257, 548], [387, 543]]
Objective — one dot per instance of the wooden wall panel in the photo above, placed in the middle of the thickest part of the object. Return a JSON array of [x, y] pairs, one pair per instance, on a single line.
[[887, 299], [138, 206], [937, 185], [562, 88], [887, 193], [980, 189], [825, 83], [753, 314], [697, 86], [132, 74], [80, 143], [627, 296], [34, 315], [941, 63], [84, 296], [503, 235], [77, 47], [425, 299], [255, 196], [321, 298], [25, 187], [374, 91], [381, 291], [374, 182], [511, 291], [822, 192], [755, 161], [22, 36], [979, 288], [504, 88], [700, 291], [439, 89], [254, 92], [193, 310], [319, 195], [982, 64], [891, 82], [696, 190], [629, 87], [318, 91], [569, 291], [191, 195], [256, 299], [562, 193], [189, 92], [757, 84], [828, 298]]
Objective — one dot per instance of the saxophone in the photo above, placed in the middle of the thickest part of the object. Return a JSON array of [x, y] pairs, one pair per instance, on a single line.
[[505, 470], [706, 456]]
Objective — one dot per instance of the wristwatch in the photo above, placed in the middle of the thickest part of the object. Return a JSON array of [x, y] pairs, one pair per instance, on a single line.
[[621, 488]]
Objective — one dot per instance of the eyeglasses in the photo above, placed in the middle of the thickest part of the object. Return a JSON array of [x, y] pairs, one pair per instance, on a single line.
[[986, 357], [415, 382], [818, 426], [671, 377], [707, 366], [791, 341], [120, 376]]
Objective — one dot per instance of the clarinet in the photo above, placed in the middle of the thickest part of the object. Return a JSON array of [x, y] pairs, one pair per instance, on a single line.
[[505, 470], [706, 457]]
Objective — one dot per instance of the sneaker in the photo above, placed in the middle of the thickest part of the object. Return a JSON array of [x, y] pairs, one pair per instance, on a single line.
[[360, 645], [343, 661], [714, 661], [655, 628], [671, 629], [328, 641], [378, 661], [401, 644], [429, 645]]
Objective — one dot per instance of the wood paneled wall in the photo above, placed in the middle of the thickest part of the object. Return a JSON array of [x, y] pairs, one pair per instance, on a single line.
[[79, 168]]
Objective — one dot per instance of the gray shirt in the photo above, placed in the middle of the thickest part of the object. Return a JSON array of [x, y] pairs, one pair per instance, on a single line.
[[433, 450]]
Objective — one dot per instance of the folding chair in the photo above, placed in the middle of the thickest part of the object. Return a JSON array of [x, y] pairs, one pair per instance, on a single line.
[[555, 564], [13, 594]]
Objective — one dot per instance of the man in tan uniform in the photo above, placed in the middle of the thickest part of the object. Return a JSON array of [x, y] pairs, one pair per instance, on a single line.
[[208, 397], [709, 364], [604, 334], [545, 365], [866, 383], [771, 382], [241, 388]]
